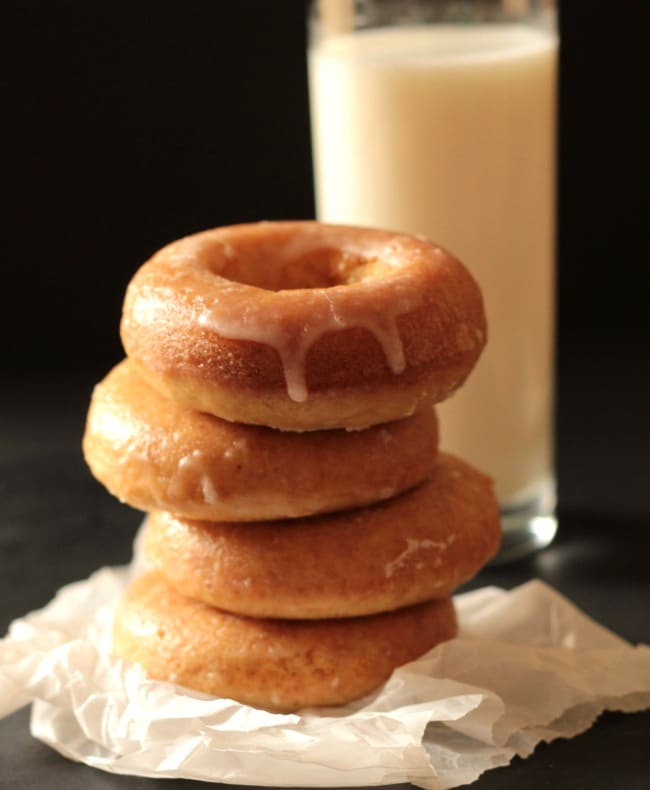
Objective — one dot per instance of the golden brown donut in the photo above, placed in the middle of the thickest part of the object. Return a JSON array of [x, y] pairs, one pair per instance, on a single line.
[[154, 454], [273, 664], [304, 326], [418, 546]]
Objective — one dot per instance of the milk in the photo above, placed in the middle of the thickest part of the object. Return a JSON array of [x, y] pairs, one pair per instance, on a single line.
[[449, 132]]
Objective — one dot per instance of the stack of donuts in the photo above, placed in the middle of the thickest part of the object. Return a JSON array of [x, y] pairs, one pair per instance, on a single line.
[[274, 416]]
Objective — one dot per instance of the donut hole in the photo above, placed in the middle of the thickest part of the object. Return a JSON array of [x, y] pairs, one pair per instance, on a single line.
[[285, 267]]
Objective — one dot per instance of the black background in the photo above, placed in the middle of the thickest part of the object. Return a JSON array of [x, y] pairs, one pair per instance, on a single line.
[[128, 124]]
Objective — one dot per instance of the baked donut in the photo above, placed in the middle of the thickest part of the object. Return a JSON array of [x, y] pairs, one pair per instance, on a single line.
[[154, 454], [304, 326], [417, 546], [273, 664]]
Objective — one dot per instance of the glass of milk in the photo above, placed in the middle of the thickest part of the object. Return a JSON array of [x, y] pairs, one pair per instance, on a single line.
[[438, 117]]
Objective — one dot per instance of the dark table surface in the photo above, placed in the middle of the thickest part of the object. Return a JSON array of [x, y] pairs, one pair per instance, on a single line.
[[58, 525]]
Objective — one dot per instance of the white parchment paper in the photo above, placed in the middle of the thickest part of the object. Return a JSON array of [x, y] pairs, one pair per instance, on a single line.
[[527, 666]]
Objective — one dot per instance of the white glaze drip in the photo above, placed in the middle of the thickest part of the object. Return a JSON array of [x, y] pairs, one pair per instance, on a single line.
[[209, 493], [191, 470], [413, 547], [326, 310], [236, 450]]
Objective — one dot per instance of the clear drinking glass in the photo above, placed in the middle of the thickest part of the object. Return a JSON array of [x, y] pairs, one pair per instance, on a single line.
[[439, 117]]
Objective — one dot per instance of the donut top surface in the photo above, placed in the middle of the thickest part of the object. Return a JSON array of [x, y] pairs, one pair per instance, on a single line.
[[288, 285]]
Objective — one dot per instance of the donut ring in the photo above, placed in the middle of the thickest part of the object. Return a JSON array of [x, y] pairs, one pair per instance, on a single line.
[[156, 455], [273, 664], [304, 326], [418, 546]]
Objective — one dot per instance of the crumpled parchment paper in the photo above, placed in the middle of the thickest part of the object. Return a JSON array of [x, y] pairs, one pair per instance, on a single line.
[[527, 666]]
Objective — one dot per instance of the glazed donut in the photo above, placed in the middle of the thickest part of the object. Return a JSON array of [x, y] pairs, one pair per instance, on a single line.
[[154, 454], [304, 326], [273, 664], [418, 546]]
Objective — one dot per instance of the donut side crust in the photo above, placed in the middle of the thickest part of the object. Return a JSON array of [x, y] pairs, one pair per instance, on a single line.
[[272, 664], [415, 547], [156, 455]]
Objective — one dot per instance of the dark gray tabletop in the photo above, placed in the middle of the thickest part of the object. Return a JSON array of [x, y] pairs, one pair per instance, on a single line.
[[58, 525]]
